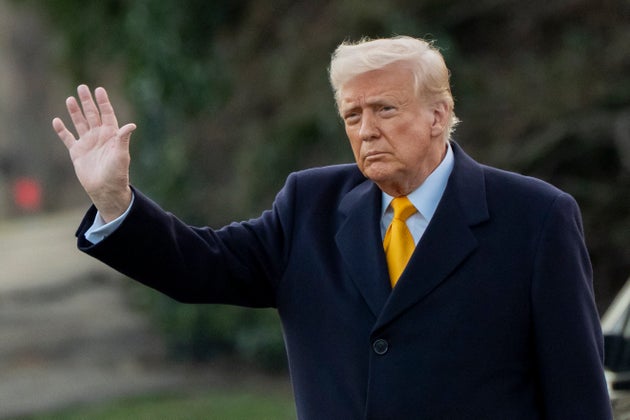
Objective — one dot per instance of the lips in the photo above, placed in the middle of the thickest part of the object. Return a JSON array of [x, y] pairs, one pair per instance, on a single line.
[[373, 154]]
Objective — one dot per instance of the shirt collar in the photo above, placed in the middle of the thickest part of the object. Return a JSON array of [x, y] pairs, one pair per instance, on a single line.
[[427, 196]]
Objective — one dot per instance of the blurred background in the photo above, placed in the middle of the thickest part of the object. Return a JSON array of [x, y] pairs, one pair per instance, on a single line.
[[229, 97]]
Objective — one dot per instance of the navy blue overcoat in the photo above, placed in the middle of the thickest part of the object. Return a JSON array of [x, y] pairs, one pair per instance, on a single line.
[[493, 318]]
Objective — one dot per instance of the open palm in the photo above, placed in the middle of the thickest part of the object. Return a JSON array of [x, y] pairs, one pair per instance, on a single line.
[[101, 153]]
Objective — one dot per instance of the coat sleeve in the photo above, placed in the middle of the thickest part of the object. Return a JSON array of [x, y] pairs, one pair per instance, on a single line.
[[567, 332], [239, 264]]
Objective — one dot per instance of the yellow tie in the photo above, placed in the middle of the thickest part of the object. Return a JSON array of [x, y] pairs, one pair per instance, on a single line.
[[398, 242]]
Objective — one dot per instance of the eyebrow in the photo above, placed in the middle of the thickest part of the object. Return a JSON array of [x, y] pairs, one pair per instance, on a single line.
[[351, 105]]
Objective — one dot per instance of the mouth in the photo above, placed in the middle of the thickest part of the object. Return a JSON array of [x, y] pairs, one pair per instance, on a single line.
[[373, 155]]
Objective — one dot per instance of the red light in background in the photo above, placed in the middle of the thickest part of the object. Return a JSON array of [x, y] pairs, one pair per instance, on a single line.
[[27, 194]]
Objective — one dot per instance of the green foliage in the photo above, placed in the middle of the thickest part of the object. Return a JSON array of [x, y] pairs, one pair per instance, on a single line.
[[201, 333], [230, 96], [170, 69]]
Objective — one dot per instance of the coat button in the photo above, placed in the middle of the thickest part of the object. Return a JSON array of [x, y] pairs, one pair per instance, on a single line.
[[380, 346]]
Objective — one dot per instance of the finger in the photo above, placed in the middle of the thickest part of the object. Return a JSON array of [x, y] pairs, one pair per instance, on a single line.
[[108, 116], [64, 134], [76, 114], [89, 107], [125, 132]]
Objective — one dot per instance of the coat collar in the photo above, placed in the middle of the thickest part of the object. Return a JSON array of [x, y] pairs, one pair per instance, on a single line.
[[449, 234], [360, 243]]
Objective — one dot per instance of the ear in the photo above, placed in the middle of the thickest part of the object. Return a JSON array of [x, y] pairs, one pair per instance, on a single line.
[[440, 118]]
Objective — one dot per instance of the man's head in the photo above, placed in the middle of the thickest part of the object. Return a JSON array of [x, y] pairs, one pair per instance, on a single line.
[[431, 76], [395, 100]]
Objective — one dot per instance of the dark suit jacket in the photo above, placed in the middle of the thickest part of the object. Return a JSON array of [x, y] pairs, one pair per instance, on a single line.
[[494, 317]]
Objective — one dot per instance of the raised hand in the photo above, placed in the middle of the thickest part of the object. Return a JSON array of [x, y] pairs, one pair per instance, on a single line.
[[101, 153]]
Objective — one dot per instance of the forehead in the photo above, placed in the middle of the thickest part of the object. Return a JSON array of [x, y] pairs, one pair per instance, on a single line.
[[394, 81]]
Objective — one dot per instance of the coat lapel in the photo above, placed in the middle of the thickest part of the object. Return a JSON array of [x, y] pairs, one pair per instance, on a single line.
[[360, 244], [447, 241]]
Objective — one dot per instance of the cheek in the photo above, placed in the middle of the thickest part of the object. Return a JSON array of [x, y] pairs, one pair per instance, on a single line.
[[355, 143]]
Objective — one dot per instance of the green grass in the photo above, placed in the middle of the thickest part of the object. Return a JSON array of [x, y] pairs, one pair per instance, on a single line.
[[213, 405]]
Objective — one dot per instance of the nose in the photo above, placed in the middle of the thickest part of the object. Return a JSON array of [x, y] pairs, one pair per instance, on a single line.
[[369, 128]]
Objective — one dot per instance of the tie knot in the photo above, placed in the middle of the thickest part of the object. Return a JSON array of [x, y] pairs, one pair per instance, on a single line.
[[403, 208]]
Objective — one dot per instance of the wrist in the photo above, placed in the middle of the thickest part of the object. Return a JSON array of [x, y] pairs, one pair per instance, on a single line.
[[112, 206]]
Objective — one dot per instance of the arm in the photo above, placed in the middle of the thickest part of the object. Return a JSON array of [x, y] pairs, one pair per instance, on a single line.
[[567, 333], [240, 264], [101, 153]]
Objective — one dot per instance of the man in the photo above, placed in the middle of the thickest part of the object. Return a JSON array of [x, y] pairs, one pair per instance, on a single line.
[[491, 317]]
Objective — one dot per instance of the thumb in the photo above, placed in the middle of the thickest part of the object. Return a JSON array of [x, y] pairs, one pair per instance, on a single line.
[[124, 133]]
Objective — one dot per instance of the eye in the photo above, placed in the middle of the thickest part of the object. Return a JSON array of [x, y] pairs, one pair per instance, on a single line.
[[387, 109], [351, 118]]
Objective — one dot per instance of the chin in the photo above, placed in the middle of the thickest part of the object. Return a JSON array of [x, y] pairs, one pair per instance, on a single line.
[[376, 176], [379, 172]]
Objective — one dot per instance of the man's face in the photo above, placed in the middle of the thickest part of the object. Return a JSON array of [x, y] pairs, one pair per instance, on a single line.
[[397, 139]]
